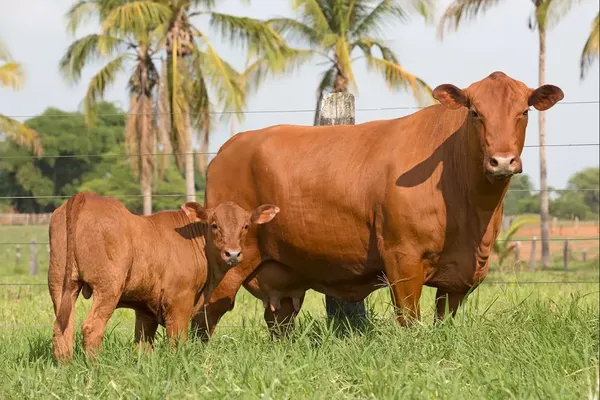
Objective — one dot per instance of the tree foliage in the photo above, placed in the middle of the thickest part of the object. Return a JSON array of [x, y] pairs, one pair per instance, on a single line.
[[66, 170]]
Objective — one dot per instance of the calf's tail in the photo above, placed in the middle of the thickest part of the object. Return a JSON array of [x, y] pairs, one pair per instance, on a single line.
[[69, 283]]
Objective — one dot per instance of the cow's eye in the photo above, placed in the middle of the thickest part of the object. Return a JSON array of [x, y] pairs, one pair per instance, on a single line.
[[474, 114], [246, 226], [526, 112], [214, 226]]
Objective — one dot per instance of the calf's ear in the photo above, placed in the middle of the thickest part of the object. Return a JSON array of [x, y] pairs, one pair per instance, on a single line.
[[263, 214], [545, 97], [195, 212], [451, 96]]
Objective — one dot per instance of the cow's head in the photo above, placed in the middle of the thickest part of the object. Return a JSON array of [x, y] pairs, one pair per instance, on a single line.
[[228, 224], [498, 109]]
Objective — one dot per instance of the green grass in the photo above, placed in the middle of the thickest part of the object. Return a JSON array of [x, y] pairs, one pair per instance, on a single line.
[[513, 340]]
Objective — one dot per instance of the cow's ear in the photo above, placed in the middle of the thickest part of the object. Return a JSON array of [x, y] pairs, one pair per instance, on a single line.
[[195, 212], [545, 97], [451, 96], [264, 214]]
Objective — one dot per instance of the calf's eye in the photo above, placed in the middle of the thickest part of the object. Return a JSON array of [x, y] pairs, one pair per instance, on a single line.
[[474, 114], [214, 226], [526, 112]]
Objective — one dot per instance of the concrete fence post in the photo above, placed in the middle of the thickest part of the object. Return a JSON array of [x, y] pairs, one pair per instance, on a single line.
[[339, 109], [18, 254], [533, 254], [517, 252], [33, 264], [566, 254]]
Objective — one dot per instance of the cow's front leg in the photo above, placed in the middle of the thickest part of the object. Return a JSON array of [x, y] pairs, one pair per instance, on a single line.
[[405, 276]]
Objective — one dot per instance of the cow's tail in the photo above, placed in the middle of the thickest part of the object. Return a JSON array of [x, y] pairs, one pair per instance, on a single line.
[[69, 283]]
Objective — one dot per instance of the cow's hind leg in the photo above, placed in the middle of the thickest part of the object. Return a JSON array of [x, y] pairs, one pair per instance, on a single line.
[[104, 303], [281, 314], [446, 301], [406, 278], [145, 329]]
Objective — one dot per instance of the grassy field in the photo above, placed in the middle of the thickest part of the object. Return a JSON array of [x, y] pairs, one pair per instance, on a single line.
[[511, 340]]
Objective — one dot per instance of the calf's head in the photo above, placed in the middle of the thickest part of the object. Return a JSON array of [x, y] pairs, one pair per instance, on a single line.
[[498, 110], [228, 225]]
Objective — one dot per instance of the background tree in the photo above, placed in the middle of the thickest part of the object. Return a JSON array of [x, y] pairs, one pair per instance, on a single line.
[[591, 49], [200, 81], [128, 38], [66, 172], [334, 30], [546, 13], [12, 76]]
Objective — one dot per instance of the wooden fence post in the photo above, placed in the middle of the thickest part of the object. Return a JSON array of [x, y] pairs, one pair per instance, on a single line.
[[33, 265], [584, 255], [517, 252], [533, 254], [18, 254], [566, 254], [338, 109]]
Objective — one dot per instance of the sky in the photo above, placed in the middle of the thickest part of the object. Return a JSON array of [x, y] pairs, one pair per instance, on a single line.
[[35, 32]]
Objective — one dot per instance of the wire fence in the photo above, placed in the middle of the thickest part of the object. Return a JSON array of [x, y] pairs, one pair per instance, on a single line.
[[33, 244]]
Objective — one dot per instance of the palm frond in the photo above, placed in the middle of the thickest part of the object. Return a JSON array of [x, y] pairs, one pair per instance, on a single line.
[[591, 50], [261, 68], [397, 78], [12, 75], [313, 14], [226, 82], [376, 21], [98, 85], [550, 12], [21, 134], [81, 13], [296, 30], [255, 36], [86, 50], [137, 17], [463, 10]]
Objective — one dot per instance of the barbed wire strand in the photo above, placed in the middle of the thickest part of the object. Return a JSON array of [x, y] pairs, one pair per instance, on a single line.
[[289, 111], [99, 155], [575, 239], [184, 195], [482, 283]]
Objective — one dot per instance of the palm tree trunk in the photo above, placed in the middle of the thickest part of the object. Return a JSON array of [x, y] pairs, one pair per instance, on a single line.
[[190, 179], [544, 195]]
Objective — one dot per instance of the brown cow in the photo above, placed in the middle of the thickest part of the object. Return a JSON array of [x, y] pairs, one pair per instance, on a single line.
[[157, 265], [416, 200]]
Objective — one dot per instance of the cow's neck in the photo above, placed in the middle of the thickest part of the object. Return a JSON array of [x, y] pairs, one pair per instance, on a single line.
[[483, 197]]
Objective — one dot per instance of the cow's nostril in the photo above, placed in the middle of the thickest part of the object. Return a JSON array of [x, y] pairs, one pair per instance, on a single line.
[[227, 254], [513, 160], [493, 162]]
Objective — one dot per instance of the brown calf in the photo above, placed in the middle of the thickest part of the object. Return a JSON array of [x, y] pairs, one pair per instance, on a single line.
[[415, 200], [159, 265]]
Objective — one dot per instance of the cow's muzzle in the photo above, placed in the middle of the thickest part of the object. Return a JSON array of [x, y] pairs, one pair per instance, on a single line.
[[232, 257], [503, 167]]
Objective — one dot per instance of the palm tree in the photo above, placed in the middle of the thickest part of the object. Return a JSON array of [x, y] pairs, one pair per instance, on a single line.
[[199, 80], [546, 14], [335, 30], [12, 77], [128, 38], [591, 50], [503, 246]]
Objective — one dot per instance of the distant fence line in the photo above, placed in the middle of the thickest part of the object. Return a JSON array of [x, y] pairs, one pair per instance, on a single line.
[[25, 219]]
